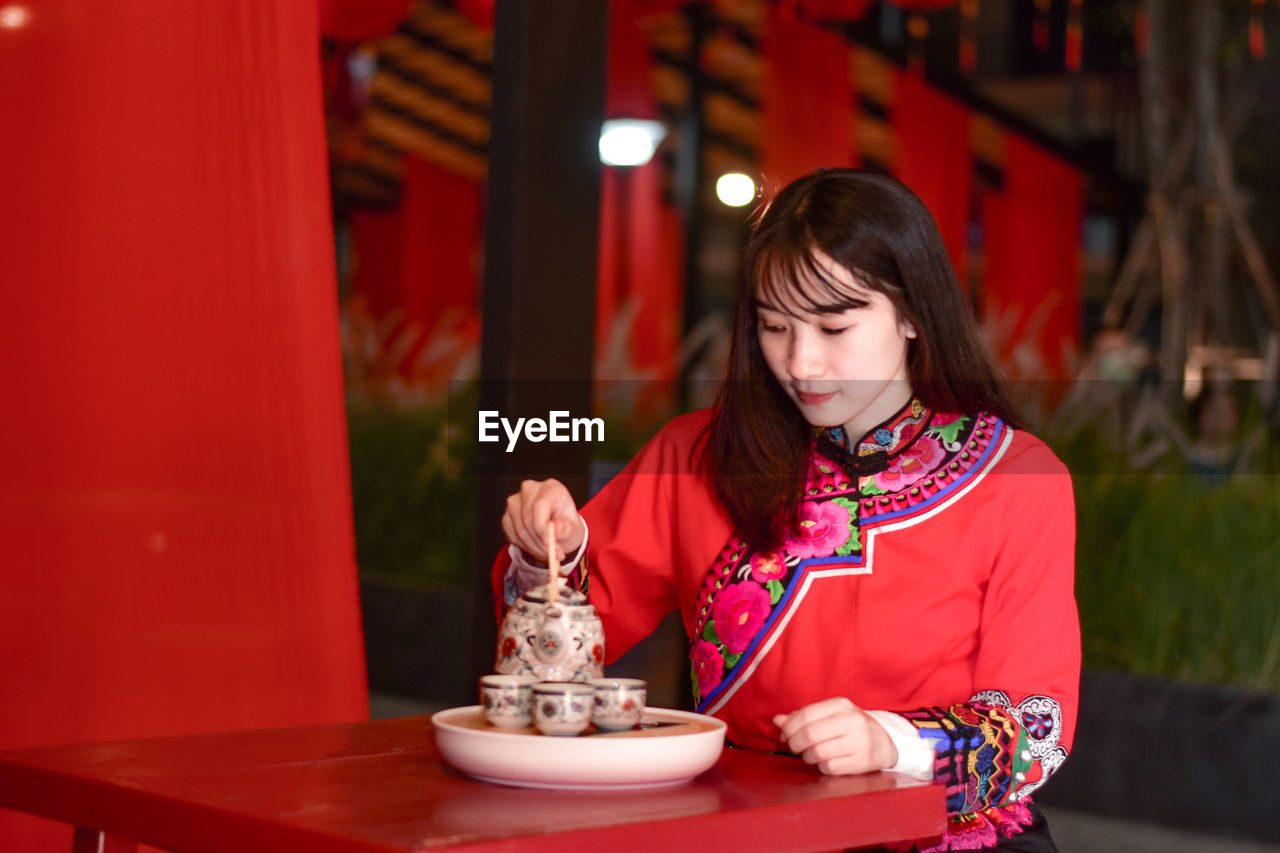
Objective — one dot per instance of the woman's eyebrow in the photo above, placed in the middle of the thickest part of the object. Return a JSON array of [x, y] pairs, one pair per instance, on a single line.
[[847, 304]]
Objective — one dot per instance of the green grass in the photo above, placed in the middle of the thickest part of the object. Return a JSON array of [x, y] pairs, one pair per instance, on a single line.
[[1176, 575], [414, 505]]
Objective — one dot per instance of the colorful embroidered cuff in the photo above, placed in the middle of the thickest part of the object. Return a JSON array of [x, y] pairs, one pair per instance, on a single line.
[[915, 755], [525, 572], [980, 754]]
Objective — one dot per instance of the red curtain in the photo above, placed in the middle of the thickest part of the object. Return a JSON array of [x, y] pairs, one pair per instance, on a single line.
[[807, 101], [1031, 280], [639, 298], [176, 542], [934, 159]]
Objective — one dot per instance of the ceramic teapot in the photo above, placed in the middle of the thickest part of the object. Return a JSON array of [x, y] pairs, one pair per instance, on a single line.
[[558, 641]]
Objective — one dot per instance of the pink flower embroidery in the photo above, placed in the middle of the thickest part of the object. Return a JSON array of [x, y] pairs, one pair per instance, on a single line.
[[768, 566], [739, 612], [914, 463], [823, 528], [708, 666]]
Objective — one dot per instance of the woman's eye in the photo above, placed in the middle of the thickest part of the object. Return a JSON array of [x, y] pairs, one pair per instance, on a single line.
[[841, 330], [769, 327]]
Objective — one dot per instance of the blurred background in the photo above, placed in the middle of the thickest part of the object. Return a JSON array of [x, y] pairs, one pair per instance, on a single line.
[[266, 261]]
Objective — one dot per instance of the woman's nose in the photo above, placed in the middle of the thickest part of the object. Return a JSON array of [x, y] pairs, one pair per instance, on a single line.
[[802, 359]]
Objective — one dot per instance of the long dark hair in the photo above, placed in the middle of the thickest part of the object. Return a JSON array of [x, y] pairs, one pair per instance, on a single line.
[[872, 225]]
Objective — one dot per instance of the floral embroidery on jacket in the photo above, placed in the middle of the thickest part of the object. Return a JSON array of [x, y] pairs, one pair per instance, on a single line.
[[912, 465], [823, 528], [916, 458], [738, 613]]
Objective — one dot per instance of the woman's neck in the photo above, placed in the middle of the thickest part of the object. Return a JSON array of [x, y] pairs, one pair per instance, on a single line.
[[891, 401]]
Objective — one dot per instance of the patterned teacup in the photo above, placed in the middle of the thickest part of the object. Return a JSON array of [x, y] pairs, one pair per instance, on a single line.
[[618, 702], [561, 707], [507, 699]]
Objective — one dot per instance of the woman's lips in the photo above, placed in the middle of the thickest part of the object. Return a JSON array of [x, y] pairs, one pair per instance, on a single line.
[[811, 399]]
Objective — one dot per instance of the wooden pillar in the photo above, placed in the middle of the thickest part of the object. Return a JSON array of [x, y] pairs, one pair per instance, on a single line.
[[689, 177], [541, 236]]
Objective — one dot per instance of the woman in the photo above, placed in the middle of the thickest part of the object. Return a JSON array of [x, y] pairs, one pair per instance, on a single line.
[[873, 563]]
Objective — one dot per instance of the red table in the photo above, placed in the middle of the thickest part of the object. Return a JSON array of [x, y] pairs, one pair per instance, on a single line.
[[382, 786]]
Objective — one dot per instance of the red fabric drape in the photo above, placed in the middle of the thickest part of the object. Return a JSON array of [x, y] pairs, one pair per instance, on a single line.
[[1031, 280], [934, 159], [639, 299], [807, 100], [176, 541]]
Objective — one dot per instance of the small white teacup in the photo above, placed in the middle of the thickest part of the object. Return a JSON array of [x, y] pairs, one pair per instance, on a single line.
[[618, 702], [561, 707], [507, 699]]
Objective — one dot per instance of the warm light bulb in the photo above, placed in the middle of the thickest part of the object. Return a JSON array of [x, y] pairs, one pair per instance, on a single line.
[[629, 141], [736, 189], [14, 17]]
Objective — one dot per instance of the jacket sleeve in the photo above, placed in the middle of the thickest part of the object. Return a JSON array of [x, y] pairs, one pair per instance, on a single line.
[[1011, 735], [650, 525]]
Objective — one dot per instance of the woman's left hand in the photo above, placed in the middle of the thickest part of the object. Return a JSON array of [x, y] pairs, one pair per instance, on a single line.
[[838, 736]]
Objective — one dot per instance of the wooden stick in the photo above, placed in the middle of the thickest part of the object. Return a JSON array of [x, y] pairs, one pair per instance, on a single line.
[[553, 565]]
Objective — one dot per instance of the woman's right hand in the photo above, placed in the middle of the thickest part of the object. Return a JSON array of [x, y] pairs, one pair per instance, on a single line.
[[531, 509]]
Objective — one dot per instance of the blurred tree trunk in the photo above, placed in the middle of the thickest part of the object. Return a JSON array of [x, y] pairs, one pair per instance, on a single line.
[[1165, 201], [1211, 235]]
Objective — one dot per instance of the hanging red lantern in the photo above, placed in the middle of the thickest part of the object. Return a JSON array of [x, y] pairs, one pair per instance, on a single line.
[[1140, 33], [835, 10], [479, 11], [355, 21], [1256, 48], [1075, 36], [923, 5], [968, 36], [1040, 25]]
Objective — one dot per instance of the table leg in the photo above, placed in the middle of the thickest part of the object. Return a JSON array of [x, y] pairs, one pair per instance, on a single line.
[[96, 841]]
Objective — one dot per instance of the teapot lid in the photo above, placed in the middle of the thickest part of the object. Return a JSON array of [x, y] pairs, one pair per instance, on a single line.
[[568, 596]]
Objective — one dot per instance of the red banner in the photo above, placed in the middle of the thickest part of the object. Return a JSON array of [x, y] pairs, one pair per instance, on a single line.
[[807, 103], [934, 159], [1031, 280]]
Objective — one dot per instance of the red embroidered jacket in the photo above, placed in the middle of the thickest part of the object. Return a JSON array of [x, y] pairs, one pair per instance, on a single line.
[[939, 587]]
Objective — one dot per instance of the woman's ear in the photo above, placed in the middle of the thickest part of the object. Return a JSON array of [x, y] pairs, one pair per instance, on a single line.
[[908, 329]]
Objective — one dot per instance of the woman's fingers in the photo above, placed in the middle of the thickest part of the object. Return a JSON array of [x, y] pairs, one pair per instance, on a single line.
[[791, 723], [837, 736], [530, 511]]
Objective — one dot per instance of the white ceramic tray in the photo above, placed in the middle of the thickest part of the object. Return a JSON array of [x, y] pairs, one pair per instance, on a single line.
[[669, 748]]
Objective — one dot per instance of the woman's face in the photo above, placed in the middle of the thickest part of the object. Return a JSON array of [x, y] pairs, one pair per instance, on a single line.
[[847, 368]]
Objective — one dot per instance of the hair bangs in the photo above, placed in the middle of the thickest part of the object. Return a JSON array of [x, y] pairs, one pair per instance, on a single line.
[[792, 281]]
